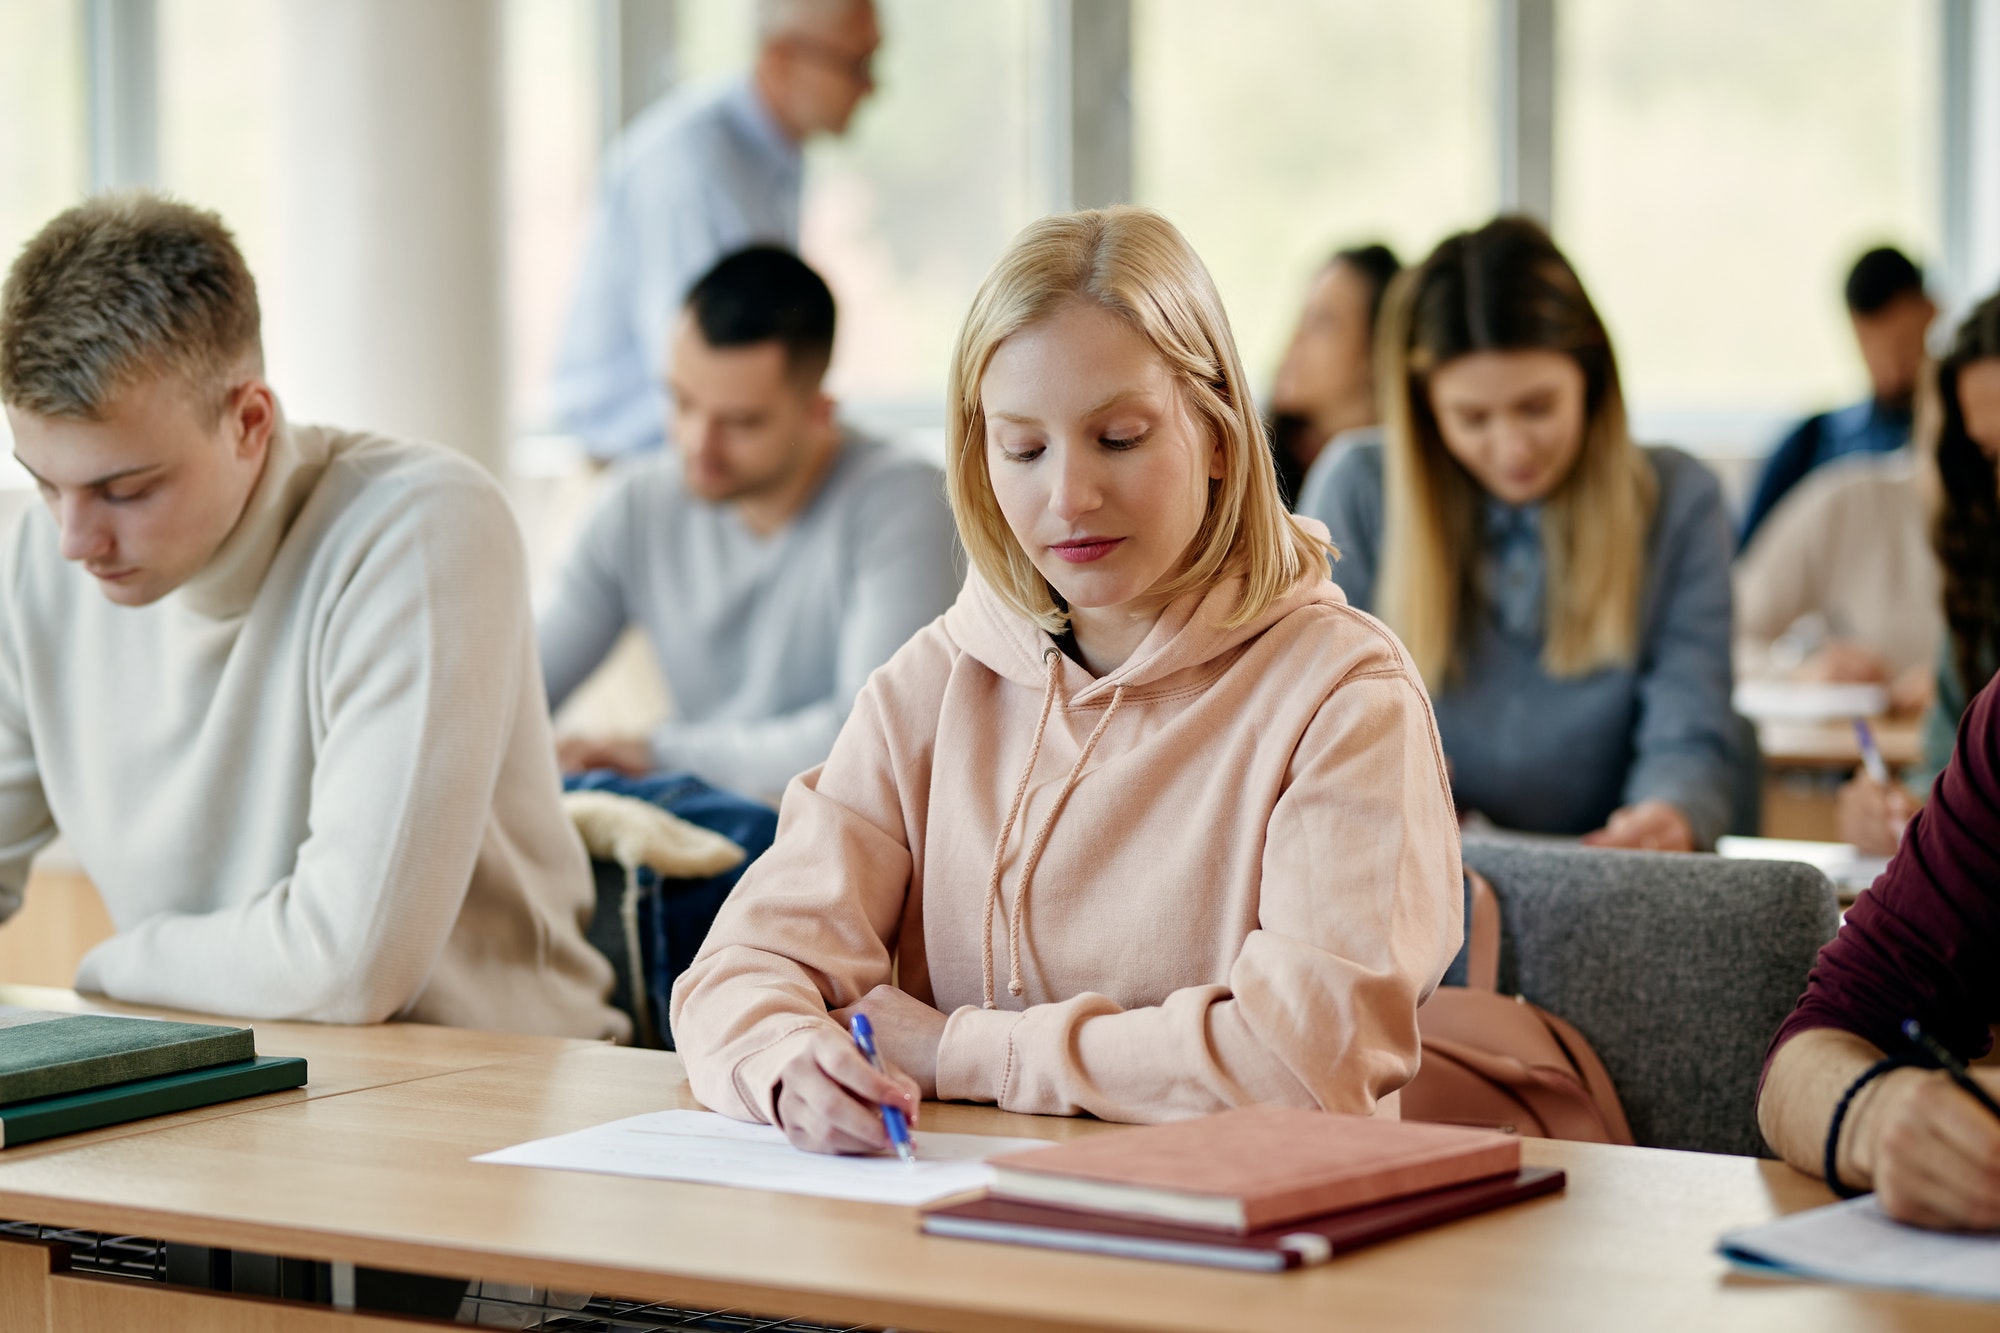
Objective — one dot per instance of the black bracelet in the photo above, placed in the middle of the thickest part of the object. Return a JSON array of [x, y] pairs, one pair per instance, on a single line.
[[1830, 1168]]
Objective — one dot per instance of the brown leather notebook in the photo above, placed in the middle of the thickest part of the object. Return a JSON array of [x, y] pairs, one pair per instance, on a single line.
[[1299, 1244], [1251, 1168]]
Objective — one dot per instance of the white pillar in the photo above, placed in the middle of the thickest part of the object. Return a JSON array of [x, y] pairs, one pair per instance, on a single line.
[[1982, 227], [123, 60], [390, 314], [1525, 111]]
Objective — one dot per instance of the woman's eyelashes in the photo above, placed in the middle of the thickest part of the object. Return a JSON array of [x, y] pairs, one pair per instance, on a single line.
[[1027, 452]]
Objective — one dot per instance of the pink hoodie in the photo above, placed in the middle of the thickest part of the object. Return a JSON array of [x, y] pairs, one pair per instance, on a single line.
[[1226, 873]]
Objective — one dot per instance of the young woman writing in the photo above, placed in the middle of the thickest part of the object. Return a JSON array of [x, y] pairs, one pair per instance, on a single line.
[[1967, 539], [1564, 593], [1151, 823]]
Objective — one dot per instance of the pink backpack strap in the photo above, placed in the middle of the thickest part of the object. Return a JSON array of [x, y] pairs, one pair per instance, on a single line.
[[1482, 934]]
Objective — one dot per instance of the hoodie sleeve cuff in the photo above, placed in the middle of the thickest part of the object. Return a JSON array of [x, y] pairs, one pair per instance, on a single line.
[[755, 1078], [975, 1061]]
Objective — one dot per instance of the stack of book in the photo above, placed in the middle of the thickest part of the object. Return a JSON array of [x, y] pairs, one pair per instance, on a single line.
[[1261, 1188], [61, 1073]]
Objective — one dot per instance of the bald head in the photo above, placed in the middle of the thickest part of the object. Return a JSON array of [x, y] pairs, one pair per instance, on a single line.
[[815, 62], [812, 18]]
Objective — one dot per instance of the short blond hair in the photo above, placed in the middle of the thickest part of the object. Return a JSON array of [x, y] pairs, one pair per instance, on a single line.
[[1135, 264], [119, 287]]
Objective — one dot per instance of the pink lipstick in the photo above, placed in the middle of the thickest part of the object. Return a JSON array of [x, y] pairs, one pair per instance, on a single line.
[[1083, 550]]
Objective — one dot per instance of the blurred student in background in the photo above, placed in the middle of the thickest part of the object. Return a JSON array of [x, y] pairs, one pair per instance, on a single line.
[[1891, 313], [1967, 536], [1841, 583], [1325, 386], [773, 560], [1151, 708], [697, 175], [1564, 592]]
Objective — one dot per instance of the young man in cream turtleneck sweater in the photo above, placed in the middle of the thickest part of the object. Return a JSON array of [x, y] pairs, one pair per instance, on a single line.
[[277, 685]]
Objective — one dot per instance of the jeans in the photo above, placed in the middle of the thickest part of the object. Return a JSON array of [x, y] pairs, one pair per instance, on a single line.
[[675, 914]]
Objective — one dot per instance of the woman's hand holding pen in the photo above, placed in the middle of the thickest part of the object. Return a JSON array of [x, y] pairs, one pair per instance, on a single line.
[[830, 1098], [907, 1032], [1930, 1150], [1872, 814]]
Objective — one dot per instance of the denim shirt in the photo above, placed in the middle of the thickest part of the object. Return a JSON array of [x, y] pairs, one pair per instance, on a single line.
[[1552, 754], [1516, 571]]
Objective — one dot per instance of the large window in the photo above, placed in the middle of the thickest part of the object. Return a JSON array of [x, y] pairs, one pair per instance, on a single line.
[[218, 121], [1274, 133], [552, 100], [1718, 167], [44, 156]]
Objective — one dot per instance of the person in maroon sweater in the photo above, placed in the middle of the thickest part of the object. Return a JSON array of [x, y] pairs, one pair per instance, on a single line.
[[1923, 944]]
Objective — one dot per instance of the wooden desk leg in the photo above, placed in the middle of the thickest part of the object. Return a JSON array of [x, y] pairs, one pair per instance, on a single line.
[[25, 1268]]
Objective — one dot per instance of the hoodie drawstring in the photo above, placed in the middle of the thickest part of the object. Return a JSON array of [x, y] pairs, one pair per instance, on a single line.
[[1053, 658]]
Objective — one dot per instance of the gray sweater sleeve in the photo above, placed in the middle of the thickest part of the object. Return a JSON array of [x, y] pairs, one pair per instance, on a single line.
[[1685, 745], [587, 608], [907, 570], [1344, 491]]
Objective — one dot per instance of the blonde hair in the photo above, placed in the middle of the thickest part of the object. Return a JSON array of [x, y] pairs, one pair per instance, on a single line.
[[119, 287], [1506, 287], [1133, 263]]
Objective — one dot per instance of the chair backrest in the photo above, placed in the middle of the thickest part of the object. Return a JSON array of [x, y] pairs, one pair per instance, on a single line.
[[1676, 968]]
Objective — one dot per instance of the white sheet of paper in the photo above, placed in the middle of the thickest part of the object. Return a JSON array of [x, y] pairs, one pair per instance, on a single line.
[[1807, 701], [711, 1149], [1856, 1242], [1841, 862]]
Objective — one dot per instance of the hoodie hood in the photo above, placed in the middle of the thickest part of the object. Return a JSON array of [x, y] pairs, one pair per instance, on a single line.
[[1190, 634], [1253, 883], [1190, 639]]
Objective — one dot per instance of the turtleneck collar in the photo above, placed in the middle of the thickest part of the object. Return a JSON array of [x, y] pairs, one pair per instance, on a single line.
[[228, 583]]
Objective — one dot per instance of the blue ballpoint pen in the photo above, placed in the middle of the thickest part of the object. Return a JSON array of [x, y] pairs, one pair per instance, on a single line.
[[1871, 757], [892, 1116]]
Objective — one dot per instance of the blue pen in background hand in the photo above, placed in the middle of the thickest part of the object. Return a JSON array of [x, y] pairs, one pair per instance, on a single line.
[[1871, 756], [892, 1116]]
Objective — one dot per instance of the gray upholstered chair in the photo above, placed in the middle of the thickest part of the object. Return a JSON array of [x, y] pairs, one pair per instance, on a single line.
[[1677, 969]]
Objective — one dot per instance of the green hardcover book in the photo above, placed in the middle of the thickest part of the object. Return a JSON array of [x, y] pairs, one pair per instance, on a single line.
[[46, 1054], [46, 1117]]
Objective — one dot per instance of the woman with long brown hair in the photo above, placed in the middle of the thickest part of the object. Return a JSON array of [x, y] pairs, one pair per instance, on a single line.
[[1967, 539], [1564, 593], [1845, 1095]]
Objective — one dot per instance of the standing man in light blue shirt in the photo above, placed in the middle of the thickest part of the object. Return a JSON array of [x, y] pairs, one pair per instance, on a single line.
[[697, 176]]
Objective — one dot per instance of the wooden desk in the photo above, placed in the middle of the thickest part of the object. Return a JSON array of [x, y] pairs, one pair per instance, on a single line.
[[1804, 764], [1833, 744], [338, 1060], [382, 1177]]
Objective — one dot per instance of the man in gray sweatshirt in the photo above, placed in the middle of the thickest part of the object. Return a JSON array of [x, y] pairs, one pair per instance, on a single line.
[[276, 684], [773, 558]]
